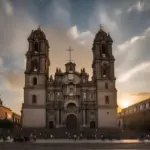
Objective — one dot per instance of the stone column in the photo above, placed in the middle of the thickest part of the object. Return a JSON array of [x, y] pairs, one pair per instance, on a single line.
[[87, 119], [57, 118], [60, 119], [83, 117], [112, 69]]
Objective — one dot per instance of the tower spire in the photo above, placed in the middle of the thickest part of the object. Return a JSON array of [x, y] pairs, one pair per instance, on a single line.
[[39, 28]]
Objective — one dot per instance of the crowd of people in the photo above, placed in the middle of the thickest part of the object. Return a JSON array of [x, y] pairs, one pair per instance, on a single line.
[[68, 135], [33, 135]]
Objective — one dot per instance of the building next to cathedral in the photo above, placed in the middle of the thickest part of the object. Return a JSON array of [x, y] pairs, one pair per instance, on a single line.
[[69, 99], [7, 114]]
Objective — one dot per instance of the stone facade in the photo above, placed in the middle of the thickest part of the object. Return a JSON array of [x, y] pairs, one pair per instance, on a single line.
[[69, 99]]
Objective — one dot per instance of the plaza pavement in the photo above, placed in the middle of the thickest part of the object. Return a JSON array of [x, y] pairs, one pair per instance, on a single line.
[[63, 144], [83, 141]]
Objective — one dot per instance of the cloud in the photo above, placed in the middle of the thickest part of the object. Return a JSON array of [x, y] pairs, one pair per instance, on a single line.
[[81, 37], [14, 30], [127, 45], [132, 63], [73, 32], [58, 14], [141, 94], [14, 78], [118, 12], [126, 76], [8, 7], [139, 6], [134, 51], [107, 22]]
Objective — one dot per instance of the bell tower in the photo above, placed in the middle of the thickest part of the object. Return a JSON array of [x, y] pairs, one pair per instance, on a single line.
[[36, 76], [104, 79]]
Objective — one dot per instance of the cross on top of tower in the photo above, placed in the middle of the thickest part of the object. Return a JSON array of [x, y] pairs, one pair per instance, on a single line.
[[70, 50], [101, 27]]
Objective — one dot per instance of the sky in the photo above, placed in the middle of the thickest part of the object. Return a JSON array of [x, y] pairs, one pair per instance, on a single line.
[[74, 23]]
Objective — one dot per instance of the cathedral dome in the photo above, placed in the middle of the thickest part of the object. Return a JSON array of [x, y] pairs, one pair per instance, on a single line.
[[37, 34]]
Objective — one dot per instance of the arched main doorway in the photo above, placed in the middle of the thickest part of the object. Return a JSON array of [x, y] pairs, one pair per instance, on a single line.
[[71, 122], [92, 124], [51, 125]]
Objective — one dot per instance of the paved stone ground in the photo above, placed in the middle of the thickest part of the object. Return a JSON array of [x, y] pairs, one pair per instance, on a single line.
[[59, 141], [89, 141], [71, 146], [76, 145]]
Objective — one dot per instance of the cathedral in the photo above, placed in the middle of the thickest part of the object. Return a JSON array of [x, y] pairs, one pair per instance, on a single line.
[[69, 99]]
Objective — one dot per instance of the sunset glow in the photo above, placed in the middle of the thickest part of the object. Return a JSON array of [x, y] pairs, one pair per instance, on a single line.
[[125, 103]]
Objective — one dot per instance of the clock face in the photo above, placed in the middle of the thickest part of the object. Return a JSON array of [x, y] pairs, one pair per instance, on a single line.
[[70, 76]]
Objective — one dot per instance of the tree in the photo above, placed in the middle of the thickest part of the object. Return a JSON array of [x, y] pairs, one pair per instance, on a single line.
[[6, 124]]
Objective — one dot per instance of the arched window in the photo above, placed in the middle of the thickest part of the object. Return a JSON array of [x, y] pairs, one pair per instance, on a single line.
[[106, 85], [71, 107], [34, 65], [34, 81], [36, 46], [34, 99], [106, 100], [104, 70], [103, 50]]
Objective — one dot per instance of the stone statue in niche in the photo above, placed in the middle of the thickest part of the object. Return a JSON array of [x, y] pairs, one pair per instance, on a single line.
[[91, 96], [58, 95], [84, 95]]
